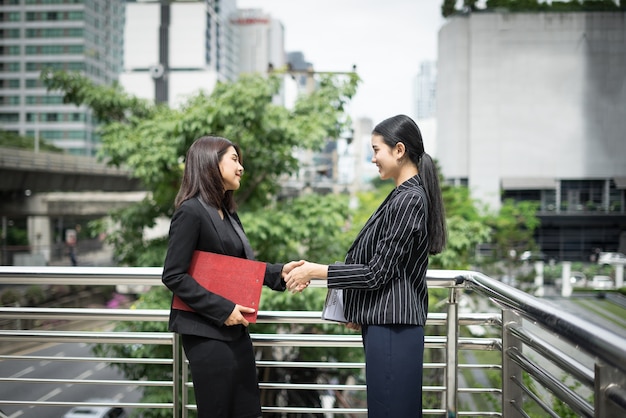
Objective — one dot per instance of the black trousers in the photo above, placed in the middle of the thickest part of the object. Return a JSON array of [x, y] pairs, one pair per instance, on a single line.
[[394, 362], [224, 377]]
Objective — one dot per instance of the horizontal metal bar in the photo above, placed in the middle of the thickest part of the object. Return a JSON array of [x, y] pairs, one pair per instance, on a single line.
[[309, 386], [162, 315], [85, 314], [304, 410], [309, 364], [146, 405], [86, 275], [165, 383], [125, 360], [88, 336], [78, 275]]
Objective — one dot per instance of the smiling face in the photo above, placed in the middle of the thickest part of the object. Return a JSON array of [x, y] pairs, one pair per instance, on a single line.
[[231, 169], [385, 158]]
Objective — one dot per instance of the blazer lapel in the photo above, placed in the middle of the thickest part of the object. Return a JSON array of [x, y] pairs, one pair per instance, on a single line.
[[219, 227], [215, 219], [239, 230]]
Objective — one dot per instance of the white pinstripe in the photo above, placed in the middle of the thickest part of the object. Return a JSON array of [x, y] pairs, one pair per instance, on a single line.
[[385, 269]]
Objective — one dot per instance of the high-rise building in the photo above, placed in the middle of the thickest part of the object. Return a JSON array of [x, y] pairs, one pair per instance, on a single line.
[[262, 41], [172, 50], [425, 91], [37, 35]]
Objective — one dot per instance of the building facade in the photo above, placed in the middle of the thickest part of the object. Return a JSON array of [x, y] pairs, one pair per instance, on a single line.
[[174, 50], [262, 41], [424, 90], [532, 106], [71, 35]]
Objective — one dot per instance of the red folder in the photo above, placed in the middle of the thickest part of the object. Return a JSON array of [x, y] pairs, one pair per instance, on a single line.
[[236, 279]]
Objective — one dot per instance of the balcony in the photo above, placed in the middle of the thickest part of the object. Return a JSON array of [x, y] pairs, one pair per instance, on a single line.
[[546, 360]]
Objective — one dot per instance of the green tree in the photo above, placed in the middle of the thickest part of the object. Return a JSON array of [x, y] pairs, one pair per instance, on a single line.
[[447, 8], [152, 140], [513, 227]]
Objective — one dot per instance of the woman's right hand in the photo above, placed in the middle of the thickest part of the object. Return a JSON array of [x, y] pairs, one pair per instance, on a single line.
[[236, 316]]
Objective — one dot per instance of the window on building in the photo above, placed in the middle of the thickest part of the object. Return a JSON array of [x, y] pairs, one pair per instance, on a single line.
[[12, 83], [33, 83], [617, 196], [9, 33], [582, 195], [11, 100], [10, 67], [9, 117]]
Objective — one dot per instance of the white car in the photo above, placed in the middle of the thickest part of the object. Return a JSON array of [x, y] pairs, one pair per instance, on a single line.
[[611, 258], [602, 282], [96, 411]]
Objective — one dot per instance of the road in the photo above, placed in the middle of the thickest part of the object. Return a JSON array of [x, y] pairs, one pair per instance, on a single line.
[[55, 392]]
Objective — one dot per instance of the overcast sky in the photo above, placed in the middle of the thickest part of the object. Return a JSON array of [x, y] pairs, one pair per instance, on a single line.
[[385, 39]]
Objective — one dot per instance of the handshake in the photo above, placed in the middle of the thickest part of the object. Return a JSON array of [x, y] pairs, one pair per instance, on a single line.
[[298, 274]]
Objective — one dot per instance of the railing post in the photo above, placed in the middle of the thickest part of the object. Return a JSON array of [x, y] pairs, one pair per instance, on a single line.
[[610, 385], [452, 359], [512, 400], [177, 377]]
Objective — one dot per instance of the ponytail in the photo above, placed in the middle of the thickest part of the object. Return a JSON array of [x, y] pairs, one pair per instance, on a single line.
[[436, 215]]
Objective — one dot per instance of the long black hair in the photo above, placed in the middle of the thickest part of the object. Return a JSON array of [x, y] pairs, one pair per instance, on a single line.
[[402, 128], [202, 174]]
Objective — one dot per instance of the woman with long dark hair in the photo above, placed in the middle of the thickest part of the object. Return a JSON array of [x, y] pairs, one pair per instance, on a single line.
[[383, 276], [214, 334]]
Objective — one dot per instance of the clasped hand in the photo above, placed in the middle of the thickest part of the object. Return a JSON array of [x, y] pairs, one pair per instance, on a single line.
[[300, 276]]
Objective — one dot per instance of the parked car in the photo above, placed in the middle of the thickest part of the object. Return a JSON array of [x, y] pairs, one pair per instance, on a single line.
[[578, 279], [602, 282], [611, 258], [85, 411], [532, 256]]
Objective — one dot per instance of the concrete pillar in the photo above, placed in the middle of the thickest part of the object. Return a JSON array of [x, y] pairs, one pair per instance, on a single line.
[[539, 279], [566, 288], [619, 275], [40, 236]]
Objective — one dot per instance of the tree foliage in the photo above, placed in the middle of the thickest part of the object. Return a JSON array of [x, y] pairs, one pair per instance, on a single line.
[[448, 7], [152, 140]]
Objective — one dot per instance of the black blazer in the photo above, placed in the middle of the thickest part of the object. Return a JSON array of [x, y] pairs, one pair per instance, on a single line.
[[196, 227]]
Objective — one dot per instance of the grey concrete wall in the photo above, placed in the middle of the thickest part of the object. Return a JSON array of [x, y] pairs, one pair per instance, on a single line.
[[539, 95]]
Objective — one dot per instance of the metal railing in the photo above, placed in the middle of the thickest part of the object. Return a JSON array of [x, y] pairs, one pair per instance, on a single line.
[[546, 360]]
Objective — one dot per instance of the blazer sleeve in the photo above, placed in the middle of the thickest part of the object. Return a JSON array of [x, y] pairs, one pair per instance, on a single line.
[[183, 240], [273, 277], [383, 253]]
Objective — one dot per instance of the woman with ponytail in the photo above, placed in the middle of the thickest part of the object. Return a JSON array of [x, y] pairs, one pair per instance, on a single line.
[[383, 276]]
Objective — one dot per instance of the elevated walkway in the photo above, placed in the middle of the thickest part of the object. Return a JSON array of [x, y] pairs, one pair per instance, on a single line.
[[39, 172], [542, 361]]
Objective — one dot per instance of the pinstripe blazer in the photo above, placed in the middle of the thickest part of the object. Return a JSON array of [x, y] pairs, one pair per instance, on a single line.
[[384, 273]]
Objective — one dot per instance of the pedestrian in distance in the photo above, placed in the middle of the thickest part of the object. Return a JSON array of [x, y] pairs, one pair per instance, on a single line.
[[383, 276], [214, 335]]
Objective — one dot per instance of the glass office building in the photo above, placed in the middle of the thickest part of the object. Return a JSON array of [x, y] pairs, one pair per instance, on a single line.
[[72, 35]]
